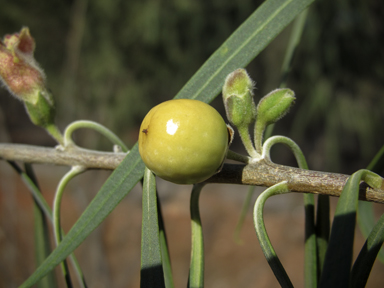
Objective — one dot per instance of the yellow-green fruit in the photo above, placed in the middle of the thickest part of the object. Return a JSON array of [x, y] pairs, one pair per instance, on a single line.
[[183, 141]]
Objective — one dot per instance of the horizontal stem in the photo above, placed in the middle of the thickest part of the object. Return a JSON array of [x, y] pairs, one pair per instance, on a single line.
[[71, 156], [265, 173], [262, 173]]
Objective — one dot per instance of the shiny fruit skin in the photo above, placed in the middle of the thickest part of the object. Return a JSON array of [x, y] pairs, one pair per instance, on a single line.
[[183, 141]]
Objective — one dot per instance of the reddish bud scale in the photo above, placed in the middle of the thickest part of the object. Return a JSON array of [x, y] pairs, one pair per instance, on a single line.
[[18, 69]]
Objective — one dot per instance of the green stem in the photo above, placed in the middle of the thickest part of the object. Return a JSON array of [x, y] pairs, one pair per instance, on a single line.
[[262, 235], [246, 138], [196, 271], [75, 170], [299, 156], [259, 134], [237, 157], [55, 133], [95, 126]]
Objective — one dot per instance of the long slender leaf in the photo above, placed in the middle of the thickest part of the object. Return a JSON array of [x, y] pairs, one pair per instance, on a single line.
[[310, 264], [44, 207], [322, 229], [42, 243], [168, 278], [42, 246], [196, 269], [240, 48], [151, 265], [265, 244], [118, 185], [366, 221], [365, 215], [338, 259], [367, 256]]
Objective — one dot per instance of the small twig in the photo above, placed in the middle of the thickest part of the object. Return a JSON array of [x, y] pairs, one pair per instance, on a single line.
[[89, 159], [263, 173]]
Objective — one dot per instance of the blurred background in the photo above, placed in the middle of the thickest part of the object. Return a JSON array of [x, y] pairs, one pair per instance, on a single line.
[[111, 61]]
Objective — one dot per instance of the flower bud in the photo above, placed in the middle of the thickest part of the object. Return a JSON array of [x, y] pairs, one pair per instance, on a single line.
[[238, 98], [271, 108], [19, 71], [23, 42], [42, 112], [275, 105]]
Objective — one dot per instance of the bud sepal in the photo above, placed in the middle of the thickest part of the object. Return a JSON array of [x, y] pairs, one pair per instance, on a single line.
[[238, 98], [270, 109]]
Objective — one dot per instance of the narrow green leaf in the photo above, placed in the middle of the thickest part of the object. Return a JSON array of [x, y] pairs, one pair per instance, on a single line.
[[310, 264], [366, 221], [196, 269], [42, 246], [322, 229], [265, 244], [377, 163], [367, 256], [152, 275], [338, 259], [42, 242], [168, 278], [44, 207], [365, 215], [241, 47], [118, 185]]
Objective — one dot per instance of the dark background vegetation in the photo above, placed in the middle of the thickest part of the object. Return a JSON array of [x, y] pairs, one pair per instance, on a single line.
[[111, 61]]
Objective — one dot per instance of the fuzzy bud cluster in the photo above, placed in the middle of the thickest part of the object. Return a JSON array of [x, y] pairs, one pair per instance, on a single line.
[[22, 76], [19, 71]]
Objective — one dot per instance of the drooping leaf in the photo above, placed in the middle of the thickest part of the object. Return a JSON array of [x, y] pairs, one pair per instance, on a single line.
[[365, 215], [168, 278], [196, 269], [118, 185], [151, 264], [261, 232], [42, 244], [338, 258], [367, 256]]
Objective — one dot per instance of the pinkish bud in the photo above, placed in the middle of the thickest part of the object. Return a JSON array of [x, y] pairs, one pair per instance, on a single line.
[[19, 71]]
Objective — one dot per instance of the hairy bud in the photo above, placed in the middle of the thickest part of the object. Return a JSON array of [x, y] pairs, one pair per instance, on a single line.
[[238, 98], [275, 105], [19, 72]]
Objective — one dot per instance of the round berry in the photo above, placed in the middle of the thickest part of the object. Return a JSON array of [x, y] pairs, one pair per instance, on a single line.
[[183, 141]]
